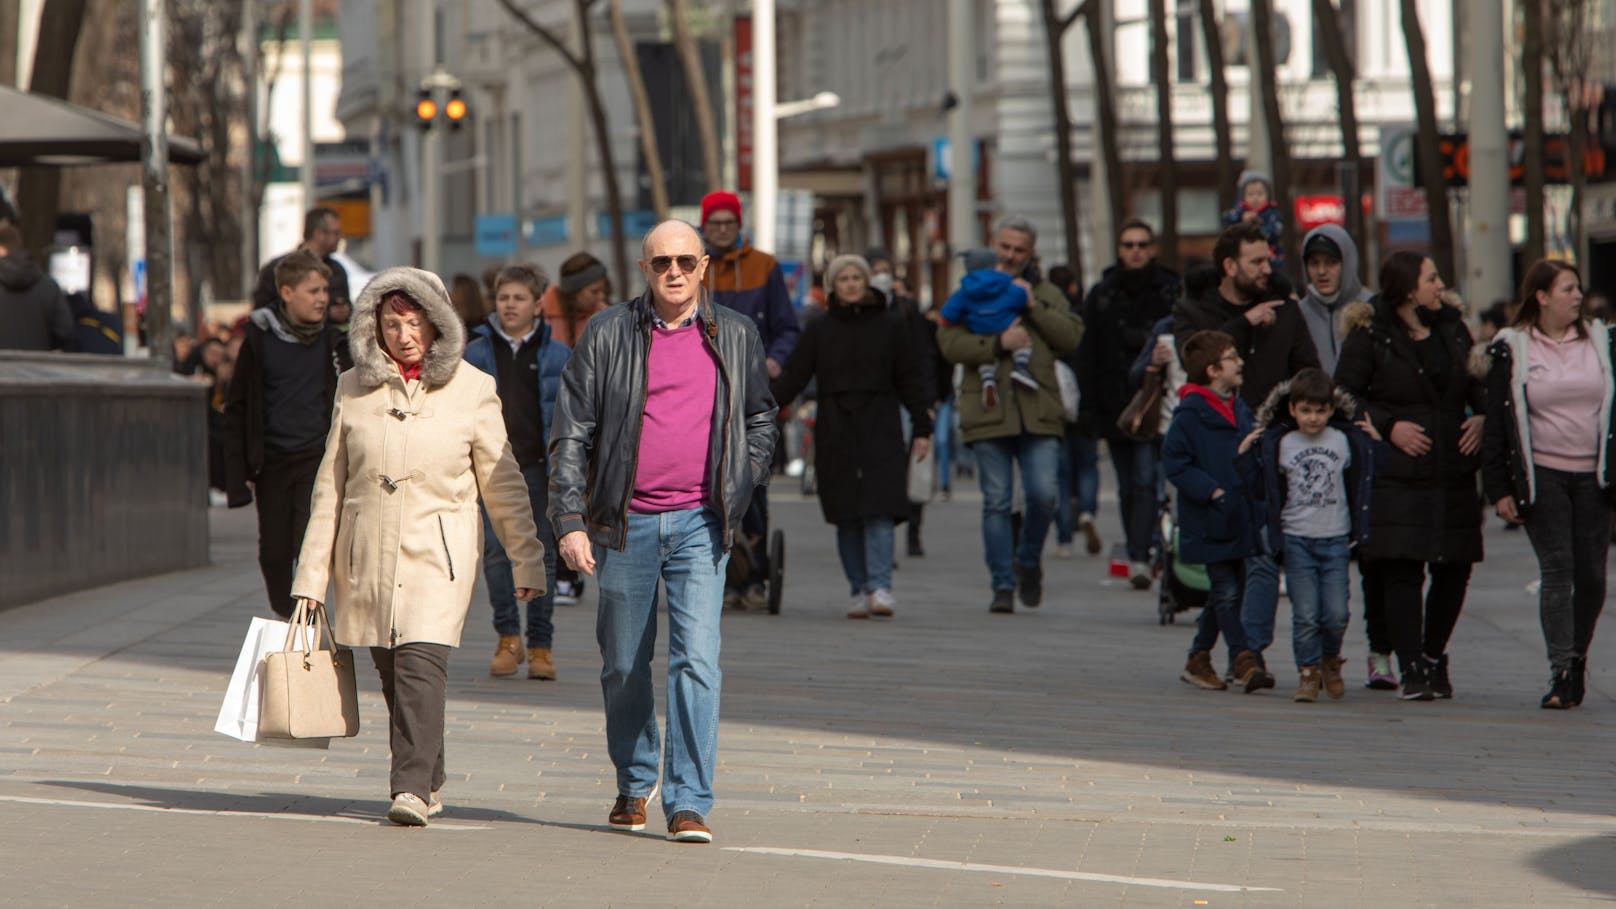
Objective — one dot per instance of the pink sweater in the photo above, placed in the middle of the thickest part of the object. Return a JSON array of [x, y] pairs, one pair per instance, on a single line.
[[681, 380], [1564, 391]]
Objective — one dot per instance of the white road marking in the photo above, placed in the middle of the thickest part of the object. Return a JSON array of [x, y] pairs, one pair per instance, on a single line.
[[271, 815], [935, 864]]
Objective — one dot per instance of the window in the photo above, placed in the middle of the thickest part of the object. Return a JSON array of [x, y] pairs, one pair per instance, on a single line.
[[1347, 17]]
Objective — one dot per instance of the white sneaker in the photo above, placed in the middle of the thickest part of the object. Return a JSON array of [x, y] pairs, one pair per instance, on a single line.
[[434, 805], [564, 594], [882, 603], [860, 608], [794, 467], [1139, 576]]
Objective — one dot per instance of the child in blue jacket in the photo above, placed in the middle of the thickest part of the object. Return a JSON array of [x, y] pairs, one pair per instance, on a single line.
[[1310, 470], [1215, 524], [988, 302]]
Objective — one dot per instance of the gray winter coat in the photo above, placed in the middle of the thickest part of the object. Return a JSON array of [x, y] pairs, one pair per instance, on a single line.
[[33, 313]]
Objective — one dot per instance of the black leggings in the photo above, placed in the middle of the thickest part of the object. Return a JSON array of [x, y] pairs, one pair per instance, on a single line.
[[1419, 627]]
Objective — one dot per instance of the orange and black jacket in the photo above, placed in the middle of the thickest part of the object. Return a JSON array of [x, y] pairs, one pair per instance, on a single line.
[[749, 281]]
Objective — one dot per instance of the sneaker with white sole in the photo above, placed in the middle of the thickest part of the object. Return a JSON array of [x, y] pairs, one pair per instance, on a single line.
[[882, 603], [688, 827], [1139, 576], [408, 810], [434, 805], [860, 606]]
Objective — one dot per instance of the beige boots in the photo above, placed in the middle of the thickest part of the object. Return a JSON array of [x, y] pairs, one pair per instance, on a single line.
[[507, 655]]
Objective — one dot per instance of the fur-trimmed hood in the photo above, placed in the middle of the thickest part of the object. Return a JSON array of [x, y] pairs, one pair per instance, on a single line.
[[1277, 405], [373, 364]]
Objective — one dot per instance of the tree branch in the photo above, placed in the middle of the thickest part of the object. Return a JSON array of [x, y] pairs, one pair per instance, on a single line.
[[549, 37], [1070, 18]]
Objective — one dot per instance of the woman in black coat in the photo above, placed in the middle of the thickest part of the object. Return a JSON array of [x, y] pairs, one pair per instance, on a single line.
[[1409, 368], [862, 356]]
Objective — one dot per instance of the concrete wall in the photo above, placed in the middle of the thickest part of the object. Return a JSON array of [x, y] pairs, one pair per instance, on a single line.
[[103, 473]]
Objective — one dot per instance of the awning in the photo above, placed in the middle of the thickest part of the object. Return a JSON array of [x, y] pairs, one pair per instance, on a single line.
[[51, 132]]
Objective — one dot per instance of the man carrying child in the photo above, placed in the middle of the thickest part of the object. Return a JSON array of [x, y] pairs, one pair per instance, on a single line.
[[1309, 469]]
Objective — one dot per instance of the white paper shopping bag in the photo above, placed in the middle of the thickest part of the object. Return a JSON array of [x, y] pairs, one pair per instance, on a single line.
[[238, 715]]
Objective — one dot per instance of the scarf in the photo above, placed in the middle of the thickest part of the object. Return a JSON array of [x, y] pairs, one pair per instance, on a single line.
[[408, 370], [305, 333], [1223, 406]]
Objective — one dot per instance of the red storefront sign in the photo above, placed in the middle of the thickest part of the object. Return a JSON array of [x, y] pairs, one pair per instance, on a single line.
[[1312, 211], [743, 102]]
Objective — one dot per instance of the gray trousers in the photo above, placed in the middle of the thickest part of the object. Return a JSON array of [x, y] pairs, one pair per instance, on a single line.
[[415, 680]]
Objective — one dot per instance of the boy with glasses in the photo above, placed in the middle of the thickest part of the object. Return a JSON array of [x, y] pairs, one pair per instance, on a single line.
[[1215, 525]]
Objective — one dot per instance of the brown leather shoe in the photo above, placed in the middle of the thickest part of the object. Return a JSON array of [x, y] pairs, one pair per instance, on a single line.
[[507, 655], [1198, 671], [627, 813], [1330, 672], [688, 827], [540, 663], [1307, 684]]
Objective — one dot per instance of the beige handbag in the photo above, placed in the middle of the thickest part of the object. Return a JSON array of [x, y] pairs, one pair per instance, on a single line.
[[308, 691]]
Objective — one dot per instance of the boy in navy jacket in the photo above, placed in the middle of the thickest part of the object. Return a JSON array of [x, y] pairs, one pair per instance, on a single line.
[[1215, 523], [1309, 469]]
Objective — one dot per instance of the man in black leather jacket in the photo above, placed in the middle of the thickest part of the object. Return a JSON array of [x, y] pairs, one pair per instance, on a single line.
[[663, 429]]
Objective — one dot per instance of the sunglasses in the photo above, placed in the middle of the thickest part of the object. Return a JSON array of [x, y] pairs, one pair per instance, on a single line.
[[1134, 244], [661, 264]]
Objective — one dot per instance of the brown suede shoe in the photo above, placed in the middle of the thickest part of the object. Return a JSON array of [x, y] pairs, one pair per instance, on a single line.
[[627, 813], [1307, 684], [1249, 673], [540, 663], [1198, 671], [1330, 671], [688, 827], [507, 655]]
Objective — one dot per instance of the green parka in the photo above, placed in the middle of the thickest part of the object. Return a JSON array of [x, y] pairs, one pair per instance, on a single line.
[[1055, 331]]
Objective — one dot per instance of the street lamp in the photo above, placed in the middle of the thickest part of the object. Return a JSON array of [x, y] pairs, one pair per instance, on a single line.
[[766, 115]]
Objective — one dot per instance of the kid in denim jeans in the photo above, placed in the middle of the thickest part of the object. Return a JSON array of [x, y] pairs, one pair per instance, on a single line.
[[1310, 469]]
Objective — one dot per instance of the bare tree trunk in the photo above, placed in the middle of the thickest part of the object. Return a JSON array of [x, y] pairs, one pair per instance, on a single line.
[[700, 99], [1219, 88], [39, 188], [260, 168], [1105, 101], [1166, 166], [1262, 29], [1065, 173], [1335, 52], [1428, 156], [1532, 116], [10, 13], [642, 110], [582, 62]]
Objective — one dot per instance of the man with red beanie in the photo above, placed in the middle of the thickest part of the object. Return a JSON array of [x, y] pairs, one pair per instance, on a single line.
[[749, 281]]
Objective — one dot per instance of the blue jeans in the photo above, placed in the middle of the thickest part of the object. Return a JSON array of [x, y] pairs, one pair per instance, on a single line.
[[497, 569], [684, 550], [1039, 457], [866, 550], [1261, 598], [1316, 571], [1222, 612], [1078, 476], [1138, 467], [942, 443]]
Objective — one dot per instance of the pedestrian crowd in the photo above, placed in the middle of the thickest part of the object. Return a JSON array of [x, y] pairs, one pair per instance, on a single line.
[[1263, 436]]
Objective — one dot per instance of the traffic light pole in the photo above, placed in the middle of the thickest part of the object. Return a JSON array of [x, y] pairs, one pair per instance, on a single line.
[[431, 143]]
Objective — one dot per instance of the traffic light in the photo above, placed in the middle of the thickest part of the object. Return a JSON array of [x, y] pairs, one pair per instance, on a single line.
[[455, 109], [426, 109]]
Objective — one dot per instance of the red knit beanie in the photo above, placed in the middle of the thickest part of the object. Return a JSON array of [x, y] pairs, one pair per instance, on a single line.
[[719, 200]]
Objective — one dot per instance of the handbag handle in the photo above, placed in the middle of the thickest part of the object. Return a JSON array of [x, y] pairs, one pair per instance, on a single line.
[[313, 623]]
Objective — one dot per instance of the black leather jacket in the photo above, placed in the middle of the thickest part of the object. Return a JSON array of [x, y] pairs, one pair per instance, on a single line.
[[595, 439]]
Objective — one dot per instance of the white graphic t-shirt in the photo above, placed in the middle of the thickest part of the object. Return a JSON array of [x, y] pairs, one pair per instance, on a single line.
[[1315, 482]]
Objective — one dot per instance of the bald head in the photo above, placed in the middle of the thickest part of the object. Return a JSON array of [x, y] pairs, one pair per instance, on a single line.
[[673, 264], [672, 227]]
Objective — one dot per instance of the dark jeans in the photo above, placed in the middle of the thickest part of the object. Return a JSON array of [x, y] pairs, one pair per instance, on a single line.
[[497, 569], [282, 492], [1137, 465], [415, 681], [1376, 627], [1418, 626], [1569, 526], [755, 527], [1222, 612]]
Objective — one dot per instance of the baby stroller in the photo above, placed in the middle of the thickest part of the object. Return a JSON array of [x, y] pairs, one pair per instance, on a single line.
[[1183, 586]]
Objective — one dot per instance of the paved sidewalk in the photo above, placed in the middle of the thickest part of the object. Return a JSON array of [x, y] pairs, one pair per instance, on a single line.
[[946, 758]]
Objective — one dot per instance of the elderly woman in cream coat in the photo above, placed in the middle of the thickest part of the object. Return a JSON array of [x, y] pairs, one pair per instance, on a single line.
[[416, 437]]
